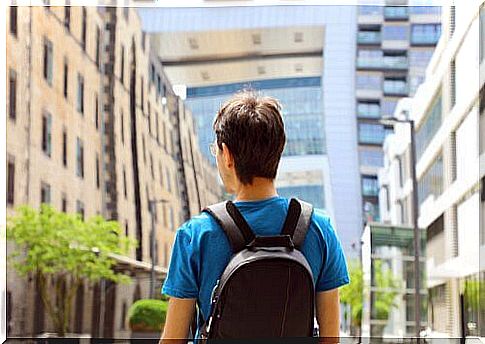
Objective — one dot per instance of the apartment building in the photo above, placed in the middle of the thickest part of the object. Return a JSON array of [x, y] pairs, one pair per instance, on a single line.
[[91, 130], [394, 45], [448, 114]]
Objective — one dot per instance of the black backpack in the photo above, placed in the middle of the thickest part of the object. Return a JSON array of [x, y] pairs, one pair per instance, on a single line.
[[267, 288]]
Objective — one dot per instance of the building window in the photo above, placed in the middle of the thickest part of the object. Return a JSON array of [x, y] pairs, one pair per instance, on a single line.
[[143, 40], [425, 34], [395, 32], [431, 183], [64, 147], [370, 10], [125, 189], [168, 181], [10, 182], [144, 149], [12, 96], [79, 158], [80, 208], [96, 111], [370, 186], [80, 93], [122, 123], [45, 193], [84, 28], [123, 316], [13, 20], [388, 107], [66, 78], [149, 119], [127, 230], [429, 126], [396, 13], [98, 42], [160, 172], [152, 169], [122, 65], [67, 16], [369, 82], [98, 181], [142, 95], [395, 86], [370, 133], [368, 58], [48, 61], [157, 127], [126, 12], [64, 203], [420, 58], [47, 134], [371, 157]]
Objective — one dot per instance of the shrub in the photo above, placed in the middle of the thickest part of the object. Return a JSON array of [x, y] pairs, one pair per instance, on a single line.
[[148, 315]]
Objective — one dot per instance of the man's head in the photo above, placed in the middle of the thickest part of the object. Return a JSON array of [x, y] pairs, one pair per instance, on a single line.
[[250, 138]]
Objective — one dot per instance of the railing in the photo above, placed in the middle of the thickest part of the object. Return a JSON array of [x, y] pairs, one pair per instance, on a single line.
[[425, 39], [395, 62], [385, 62], [369, 37], [392, 87], [396, 13], [368, 110]]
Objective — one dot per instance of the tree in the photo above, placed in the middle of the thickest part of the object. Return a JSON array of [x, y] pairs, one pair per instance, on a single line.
[[63, 248], [352, 294]]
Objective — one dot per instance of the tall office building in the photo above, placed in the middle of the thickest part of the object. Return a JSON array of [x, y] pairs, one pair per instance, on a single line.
[[394, 46], [449, 116], [303, 55], [94, 128]]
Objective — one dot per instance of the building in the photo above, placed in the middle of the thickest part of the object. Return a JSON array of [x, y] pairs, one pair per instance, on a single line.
[[448, 113], [388, 251], [92, 129], [303, 55], [394, 45]]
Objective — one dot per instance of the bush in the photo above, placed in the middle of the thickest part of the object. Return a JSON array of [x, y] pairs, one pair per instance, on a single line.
[[148, 315]]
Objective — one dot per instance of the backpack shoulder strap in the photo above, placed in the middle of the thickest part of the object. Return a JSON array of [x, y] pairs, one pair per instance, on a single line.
[[297, 221], [233, 223]]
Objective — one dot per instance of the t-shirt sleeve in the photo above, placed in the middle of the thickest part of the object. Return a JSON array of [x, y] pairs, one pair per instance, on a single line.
[[181, 278], [334, 272]]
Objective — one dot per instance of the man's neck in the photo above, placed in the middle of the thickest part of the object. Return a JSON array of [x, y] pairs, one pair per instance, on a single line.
[[261, 188]]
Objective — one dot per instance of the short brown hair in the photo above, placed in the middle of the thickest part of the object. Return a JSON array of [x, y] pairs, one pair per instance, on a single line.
[[252, 128]]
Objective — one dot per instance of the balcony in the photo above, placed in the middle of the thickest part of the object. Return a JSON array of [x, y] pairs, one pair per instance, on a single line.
[[395, 88], [396, 13], [369, 37], [425, 39], [368, 110], [395, 62], [369, 63], [385, 62]]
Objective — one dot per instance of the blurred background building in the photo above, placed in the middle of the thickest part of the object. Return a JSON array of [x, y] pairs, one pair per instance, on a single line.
[[302, 55], [94, 127], [394, 46], [448, 111]]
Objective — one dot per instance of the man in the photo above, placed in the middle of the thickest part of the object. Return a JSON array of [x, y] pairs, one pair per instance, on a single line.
[[250, 138]]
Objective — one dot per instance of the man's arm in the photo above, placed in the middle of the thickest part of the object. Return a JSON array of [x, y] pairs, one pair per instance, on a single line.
[[179, 317], [328, 316]]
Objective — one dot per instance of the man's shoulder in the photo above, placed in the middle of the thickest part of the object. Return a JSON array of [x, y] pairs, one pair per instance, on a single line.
[[199, 224], [322, 223]]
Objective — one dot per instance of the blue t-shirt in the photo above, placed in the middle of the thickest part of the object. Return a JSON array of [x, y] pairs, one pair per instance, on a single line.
[[201, 250]]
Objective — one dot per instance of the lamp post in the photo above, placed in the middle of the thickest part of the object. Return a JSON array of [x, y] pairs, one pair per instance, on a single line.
[[151, 204], [417, 237]]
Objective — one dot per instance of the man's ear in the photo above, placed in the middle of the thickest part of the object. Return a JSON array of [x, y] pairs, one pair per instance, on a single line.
[[227, 156]]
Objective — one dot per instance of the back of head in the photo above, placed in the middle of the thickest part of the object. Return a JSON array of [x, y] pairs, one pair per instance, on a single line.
[[252, 128]]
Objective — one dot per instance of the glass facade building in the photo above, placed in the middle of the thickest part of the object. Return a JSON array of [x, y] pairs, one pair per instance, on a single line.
[[394, 46], [302, 109]]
